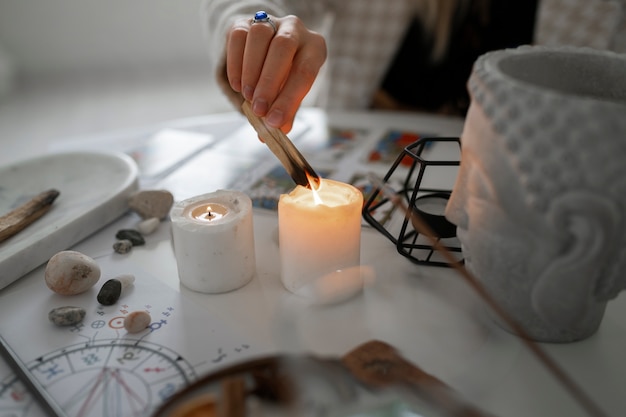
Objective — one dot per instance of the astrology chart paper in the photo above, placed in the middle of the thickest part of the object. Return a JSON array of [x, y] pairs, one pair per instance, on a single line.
[[96, 368]]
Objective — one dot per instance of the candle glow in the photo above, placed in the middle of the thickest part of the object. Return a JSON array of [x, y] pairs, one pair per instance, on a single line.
[[316, 197], [209, 212]]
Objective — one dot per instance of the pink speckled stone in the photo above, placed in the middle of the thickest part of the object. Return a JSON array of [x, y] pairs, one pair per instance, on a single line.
[[137, 321], [71, 272]]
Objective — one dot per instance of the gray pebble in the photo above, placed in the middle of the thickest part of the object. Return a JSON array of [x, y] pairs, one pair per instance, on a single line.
[[123, 246], [152, 203], [131, 234], [148, 226], [137, 321], [66, 316]]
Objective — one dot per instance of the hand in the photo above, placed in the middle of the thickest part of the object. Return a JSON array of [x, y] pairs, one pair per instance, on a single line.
[[274, 71]]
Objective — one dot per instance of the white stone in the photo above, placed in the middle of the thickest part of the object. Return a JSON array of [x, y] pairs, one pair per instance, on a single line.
[[126, 280], [71, 272], [148, 226]]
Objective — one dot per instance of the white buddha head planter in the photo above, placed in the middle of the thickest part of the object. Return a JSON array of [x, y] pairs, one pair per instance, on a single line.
[[540, 198]]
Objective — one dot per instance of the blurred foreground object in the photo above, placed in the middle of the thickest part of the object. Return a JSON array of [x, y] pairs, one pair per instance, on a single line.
[[371, 380]]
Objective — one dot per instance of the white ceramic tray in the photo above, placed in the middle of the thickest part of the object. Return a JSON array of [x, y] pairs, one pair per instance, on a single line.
[[94, 190]]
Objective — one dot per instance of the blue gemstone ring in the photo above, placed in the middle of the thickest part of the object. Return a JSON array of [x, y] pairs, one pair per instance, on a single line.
[[262, 17]]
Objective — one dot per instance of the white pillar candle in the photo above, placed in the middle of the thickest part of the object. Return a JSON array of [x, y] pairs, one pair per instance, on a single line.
[[214, 241], [319, 232]]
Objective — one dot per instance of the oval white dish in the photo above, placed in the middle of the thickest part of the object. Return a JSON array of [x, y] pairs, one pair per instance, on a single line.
[[94, 190]]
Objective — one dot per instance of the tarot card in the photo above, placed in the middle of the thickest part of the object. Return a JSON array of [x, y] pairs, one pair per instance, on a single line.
[[266, 191], [391, 145]]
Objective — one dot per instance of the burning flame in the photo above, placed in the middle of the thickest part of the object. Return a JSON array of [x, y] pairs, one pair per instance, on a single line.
[[315, 184]]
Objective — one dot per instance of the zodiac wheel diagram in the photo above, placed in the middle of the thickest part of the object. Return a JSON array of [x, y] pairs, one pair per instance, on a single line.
[[112, 377]]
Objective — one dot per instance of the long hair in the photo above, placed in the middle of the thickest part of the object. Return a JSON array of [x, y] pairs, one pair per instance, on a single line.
[[439, 17]]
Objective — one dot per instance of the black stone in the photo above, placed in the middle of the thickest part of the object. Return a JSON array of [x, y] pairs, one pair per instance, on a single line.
[[110, 292], [130, 234]]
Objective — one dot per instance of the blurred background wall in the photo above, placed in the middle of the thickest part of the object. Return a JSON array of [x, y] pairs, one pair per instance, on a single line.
[[46, 37], [75, 67]]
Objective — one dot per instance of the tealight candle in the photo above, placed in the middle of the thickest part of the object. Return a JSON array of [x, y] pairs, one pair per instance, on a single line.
[[319, 232], [209, 212], [214, 241]]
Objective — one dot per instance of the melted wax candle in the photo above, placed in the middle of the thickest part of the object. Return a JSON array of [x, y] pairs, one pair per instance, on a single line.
[[214, 241], [319, 231], [209, 212]]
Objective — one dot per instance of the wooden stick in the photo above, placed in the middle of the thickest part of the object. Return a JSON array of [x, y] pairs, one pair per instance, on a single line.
[[17, 219], [286, 152], [380, 365], [232, 401], [420, 226]]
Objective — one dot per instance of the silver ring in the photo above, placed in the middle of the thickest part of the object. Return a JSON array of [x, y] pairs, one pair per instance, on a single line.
[[262, 17]]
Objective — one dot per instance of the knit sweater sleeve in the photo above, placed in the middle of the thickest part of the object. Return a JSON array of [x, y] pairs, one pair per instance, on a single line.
[[592, 23]]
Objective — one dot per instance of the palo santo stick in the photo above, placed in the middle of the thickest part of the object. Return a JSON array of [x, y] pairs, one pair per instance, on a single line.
[[422, 227], [17, 219], [380, 365], [280, 145], [233, 397]]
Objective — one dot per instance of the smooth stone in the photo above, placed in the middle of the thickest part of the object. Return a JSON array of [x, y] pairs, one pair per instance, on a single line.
[[126, 280], [110, 292], [66, 316], [123, 246], [130, 234], [71, 273], [137, 321], [148, 226], [151, 203]]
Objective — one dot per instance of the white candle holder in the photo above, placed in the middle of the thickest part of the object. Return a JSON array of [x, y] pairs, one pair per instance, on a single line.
[[213, 241]]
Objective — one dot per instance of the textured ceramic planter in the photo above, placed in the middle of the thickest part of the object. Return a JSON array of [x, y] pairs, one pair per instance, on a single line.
[[540, 200]]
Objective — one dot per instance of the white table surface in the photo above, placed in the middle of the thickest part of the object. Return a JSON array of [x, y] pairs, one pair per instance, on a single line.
[[428, 313]]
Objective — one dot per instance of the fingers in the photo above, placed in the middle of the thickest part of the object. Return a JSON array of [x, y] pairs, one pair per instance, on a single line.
[[276, 68], [254, 56], [235, 47], [274, 71], [305, 66]]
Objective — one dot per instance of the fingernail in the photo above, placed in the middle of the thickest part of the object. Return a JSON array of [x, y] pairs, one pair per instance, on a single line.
[[259, 107], [248, 92], [275, 118]]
